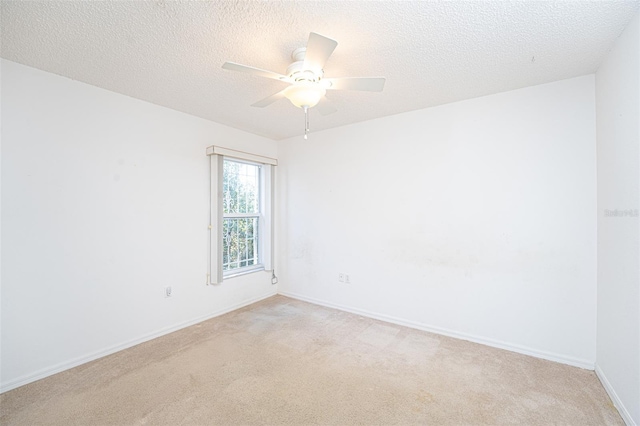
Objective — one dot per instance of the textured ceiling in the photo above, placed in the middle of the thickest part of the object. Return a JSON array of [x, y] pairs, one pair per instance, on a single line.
[[431, 52]]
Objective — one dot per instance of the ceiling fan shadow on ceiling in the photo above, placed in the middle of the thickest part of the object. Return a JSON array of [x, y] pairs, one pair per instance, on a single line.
[[305, 76]]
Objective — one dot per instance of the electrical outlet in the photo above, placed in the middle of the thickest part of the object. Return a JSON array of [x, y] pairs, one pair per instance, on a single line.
[[341, 277], [167, 291], [347, 279]]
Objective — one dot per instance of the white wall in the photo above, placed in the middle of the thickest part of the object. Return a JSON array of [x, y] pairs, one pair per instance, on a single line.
[[618, 147], [475, 219], [104, 202], [1, 132]]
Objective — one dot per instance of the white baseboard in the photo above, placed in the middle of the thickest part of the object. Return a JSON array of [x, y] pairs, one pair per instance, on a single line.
[[576, 362], [624, 413], [46, 372]]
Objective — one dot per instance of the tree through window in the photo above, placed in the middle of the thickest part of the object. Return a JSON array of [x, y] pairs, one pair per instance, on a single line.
[[241, 215]]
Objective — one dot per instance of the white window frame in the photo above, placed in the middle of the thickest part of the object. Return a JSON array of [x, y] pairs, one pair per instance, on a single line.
[[228, 273], [216, 154]]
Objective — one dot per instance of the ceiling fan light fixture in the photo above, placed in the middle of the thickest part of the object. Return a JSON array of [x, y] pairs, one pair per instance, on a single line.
[[304, 95]]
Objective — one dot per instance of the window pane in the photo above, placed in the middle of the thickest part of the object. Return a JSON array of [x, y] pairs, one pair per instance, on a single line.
[[240, 242], [241, 187]]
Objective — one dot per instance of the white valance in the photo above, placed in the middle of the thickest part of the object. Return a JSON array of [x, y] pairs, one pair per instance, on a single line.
[[218, 150]]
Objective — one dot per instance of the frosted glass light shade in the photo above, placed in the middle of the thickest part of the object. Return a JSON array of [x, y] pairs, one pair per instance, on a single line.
[[304, 95]]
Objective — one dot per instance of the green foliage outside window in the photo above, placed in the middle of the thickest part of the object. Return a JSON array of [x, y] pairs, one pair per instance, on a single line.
[[241, 186]]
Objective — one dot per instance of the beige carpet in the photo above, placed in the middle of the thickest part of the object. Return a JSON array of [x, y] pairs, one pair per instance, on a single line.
[[283, 361]]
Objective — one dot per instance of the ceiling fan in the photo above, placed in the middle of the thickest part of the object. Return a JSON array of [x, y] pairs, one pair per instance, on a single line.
[[305, 76]]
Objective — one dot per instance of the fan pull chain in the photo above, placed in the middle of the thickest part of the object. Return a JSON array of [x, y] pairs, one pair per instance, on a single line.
[[306, 121]]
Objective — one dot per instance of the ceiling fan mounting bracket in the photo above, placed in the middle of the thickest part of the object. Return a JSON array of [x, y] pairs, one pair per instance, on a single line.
[[298, 54]]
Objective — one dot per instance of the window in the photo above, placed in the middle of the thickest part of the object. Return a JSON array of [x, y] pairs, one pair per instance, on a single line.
[[241, 216], [240, 227]]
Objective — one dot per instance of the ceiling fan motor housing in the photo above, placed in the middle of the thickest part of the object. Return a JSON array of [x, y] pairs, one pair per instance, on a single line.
[[296, 71]]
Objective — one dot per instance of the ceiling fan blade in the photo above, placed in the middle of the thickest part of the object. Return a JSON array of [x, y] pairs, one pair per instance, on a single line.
[[255, 71], [269, 100], [369, 84], [319, 48], [325, 107]]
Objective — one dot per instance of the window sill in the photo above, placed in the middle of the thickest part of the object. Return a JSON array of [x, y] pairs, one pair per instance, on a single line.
[[244, 271]]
